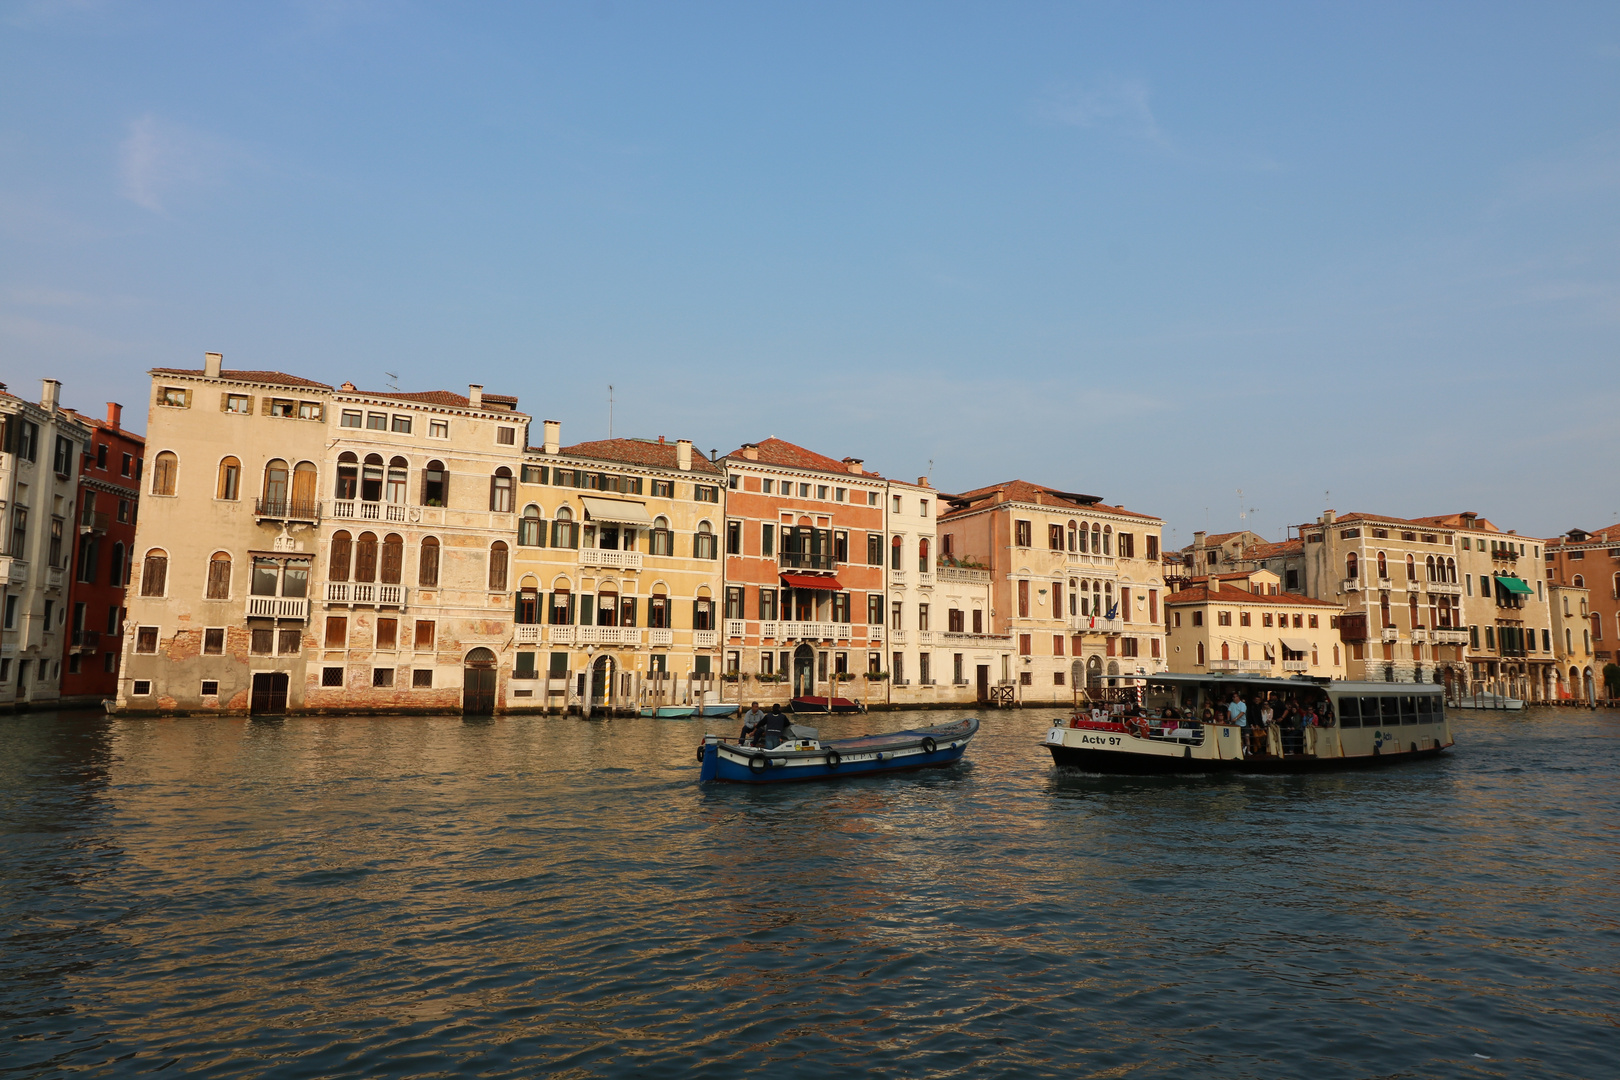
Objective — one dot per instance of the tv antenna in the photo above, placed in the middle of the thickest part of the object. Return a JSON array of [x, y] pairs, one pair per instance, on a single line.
[[393, 380], [610, 410]]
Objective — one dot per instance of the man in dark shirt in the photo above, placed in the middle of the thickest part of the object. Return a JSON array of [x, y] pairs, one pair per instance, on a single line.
[[776, 725]]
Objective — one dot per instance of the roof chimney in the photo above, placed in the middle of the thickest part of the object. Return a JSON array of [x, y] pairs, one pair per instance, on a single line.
[[1214, 583], [683, 455], [853, 464], [115, 415], [1198, 540], [553, 435], [475, 395], [922, 481], [50, 393], [212, 362], [1327, 517], [751, 451]]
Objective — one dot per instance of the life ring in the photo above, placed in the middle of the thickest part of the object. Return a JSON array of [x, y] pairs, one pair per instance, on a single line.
[[929, 745], [758, 764], [834, 759]]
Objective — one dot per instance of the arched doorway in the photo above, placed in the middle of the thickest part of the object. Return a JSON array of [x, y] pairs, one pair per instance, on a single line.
[[1094, 672], [478, 683], [602, 684], [1113, 672], [804, 671]]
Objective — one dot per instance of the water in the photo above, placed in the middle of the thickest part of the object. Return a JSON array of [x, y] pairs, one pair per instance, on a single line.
[[517, 897]]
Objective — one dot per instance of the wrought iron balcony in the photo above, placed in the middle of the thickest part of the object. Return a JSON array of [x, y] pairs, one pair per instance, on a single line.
[[804, 560], [286, 510]]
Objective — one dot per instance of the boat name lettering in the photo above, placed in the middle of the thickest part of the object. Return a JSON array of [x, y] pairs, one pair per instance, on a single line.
[[1100, 740]]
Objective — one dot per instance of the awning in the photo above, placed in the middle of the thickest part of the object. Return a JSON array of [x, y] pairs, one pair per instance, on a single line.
[[810, 581], [616, 511], [1297, 644], [1514, 585]]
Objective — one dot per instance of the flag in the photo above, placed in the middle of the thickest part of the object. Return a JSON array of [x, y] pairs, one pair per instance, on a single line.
[[1113, 611]]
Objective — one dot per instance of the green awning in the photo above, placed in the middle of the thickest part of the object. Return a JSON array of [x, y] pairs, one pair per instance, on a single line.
[[1515, 585]]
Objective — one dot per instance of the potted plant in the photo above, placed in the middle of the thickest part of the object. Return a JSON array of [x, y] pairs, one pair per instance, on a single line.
[[876, 676], [844, 676]]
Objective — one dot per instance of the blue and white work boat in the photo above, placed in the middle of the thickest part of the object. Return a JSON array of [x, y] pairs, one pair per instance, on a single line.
[[803, 756]]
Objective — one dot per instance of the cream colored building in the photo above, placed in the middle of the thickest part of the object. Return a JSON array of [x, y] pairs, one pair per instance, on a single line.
[[1577, 676], [618, 575], [916, 620], [1243, 623], [972, 657]]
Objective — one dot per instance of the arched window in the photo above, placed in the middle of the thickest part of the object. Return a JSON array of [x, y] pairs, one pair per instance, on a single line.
[[896, 553], [1200, 651], [500, 491], [1226, 651], [661, 541], [1414, 600], [1383, 567], [303, 489], [371, 479], [155, 573], [531, 529], [275, 486], [365, 557], [230, 480], [1411, 572], [497, 566], [1096, 538], [393, 558], [1073, 604], [435, 484], [1108, 540], [922, 556], [1072, 537], [427, 564], [165, 473], [219, 576], [1352, 567], [703, 544], [1451, 571], [120, 572], [1428, 566], [1616, 584], [348, 476], [337, 568], [1383, 611], [1580, 581], [565, 530], [395, 490]]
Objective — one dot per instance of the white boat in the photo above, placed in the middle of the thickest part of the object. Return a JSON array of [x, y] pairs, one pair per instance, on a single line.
[[1489, 701]]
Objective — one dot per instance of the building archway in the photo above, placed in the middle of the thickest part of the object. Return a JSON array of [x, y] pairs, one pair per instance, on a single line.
[[478, 683], [602, 684], [804, 671], [1094, 672]]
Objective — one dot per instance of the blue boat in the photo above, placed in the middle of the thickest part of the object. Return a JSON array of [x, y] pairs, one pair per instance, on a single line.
[[803, 756], [720, 710], [671, 712]]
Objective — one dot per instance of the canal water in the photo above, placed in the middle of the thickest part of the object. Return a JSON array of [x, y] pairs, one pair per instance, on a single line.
[[517, 897]]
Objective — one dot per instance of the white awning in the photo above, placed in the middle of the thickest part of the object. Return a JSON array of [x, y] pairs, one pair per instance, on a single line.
[[1297, 644], [616, 511]]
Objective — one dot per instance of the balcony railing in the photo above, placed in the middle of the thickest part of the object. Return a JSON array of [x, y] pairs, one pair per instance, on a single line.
[[804, 560], [1453, 635], [611, 558], [1420, 633], [606, 635], [704, 639], [899, 637], [1351, 584], [286, 510], [1385, 583], [1390, 633], [363, 510], [897, 578], [365, 592], [1087, 624], [1223, 665], [925, 637], [13, 571], [278, 607], [964, 574], [1094, 562], [925, 580], [812, 631], [1296, 665], [528, 634], [86, 640], [561, 635], [735, 628], [1443, 588], [92, 521], [658, 636], [874, 633], [54, 576]]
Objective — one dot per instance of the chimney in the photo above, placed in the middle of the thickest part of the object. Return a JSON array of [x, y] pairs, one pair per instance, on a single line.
[[751, 451], [475, 395], [853, 464], [922, 481], [50, 393], [1327, 517], [212, 362], [1214, 583], [115, 415], [553, 435], [683, 455], [660, 440]]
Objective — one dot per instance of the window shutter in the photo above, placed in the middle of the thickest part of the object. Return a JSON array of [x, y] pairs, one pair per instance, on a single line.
[[572, 604], [587, 606], [628, 608]]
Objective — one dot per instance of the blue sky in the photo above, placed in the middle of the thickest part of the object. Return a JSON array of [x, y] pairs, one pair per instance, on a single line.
[[1362, 256]]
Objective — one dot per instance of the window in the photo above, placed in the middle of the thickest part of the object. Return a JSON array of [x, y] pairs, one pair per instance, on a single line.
[[365, 557], [705, 493], [1223, 618], [661, 540], [230, 480], [438, 429], [127, 464], [155, 573], [497, 566], [703, 543], [401, 424], [393, 558], [1054, 537], [425, 629], [895, 616], [283, 408], [1198, 618], [1314, 624], [1152, 548], [349, 418], [734, 602], [337, 631], [165, 472], [1022, 530], [665, 489], [146, 639], [382, 677], [871, 498], [1243, 618], [1127, 550], [896, 554], [175, 396], [142, 688], [767, 539], [531, 529], [219, 576], [874, 549], [435, 484], [376, 421], [501, 491], [1352, 568], [214, 641], [422, 679], [874, 609], [733, 538], [238, 403], [309, 410], [331, 676], [1023, 599]]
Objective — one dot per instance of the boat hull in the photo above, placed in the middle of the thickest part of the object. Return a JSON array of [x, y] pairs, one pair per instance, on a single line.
[[1118, 763], [671, 712], [720, 710], [822, 705], [871, 755]]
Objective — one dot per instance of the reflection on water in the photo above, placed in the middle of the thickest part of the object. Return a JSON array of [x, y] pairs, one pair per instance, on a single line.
[[524, 896]]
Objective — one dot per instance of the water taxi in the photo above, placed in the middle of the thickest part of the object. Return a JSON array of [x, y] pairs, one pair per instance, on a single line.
[[803, 756], [1182, 723]]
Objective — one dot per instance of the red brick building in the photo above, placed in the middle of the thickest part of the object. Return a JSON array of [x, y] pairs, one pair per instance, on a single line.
[[109, 489]]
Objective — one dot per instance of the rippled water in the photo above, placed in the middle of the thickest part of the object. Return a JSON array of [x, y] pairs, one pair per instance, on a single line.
[[421, 897]]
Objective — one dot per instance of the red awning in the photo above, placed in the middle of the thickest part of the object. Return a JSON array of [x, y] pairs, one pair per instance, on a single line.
[[810, 581]]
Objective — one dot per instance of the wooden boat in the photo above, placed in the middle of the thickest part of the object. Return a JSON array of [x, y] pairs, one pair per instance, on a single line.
[[1357, 724], [720, 710], [802, 756], [821, 705], [1489, 701], [671, 712]]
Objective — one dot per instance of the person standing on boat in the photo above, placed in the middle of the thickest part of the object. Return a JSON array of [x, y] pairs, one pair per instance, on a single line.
[[776, 725], [751, 721]]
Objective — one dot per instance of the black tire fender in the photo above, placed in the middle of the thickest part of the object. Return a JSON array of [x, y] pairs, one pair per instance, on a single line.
[[701, 748], [834, 759], [928, 745], [758, 763]]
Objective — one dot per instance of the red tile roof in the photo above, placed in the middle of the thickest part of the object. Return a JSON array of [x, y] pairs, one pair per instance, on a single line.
[[658, 455], [278, 378], [444, 397], [1455, 521], [1593, 536], [1025, 492], [774, 451], [1199, 594], [1352, 519], [1256, 552]]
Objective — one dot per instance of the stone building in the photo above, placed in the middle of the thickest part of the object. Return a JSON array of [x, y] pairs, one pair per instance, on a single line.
[[1243, 622], [618, 575], [41, 448], [972, 656], [1214, 553], [1075, 583], [1576, 676], [1591, 560], [918, 670]]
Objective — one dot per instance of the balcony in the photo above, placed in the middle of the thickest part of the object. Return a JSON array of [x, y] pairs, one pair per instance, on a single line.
[[1385, 584], [365, 592], [1450, 635], [899, 637], [611, 558], [90, 521], [1296, 665], [1505, 554], [811, 631], [735, 628], [562, 635], [1390, 633], [1223, 665], [358, 510], [1087, 624], [1420, 633], [965, 574], [1443, 588], [278, 607], [86, 641], [1350, 585], [925, 637], [54, 576], [704, 639], [925, 580], [13, 571], [897, 578], [286, 510], [605, 635], [527, 634], [660, 637], [874, 634], [804, 560], [1103, 564]]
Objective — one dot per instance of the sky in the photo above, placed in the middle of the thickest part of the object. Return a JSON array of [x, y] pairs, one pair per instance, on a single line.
[[1228, 264]]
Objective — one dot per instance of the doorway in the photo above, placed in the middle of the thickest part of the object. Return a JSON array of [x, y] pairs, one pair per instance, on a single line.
[[269, 693], [983, 692], [804, 671], [478, 683], [602, 684]]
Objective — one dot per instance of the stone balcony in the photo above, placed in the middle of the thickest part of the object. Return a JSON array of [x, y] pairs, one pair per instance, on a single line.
[[705, 639], [13, 571], [736, 628], [528, 634], [1088, 624], [1420, 634], [808, 631], [277, 607], [610, 558], [365, 593], [1389, 633], [658, 636], [1296, 665], [1450, 635], [1443, 588]]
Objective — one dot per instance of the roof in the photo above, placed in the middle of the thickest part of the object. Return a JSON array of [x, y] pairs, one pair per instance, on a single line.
[[1199, 594], [1455, 521], [1236, 575], [1592, 536], [657, 455], [279, 378], [103, 425], [443, 397], [774, 451], [1256, 552], [1382, 519], [1221, 538], [1025, 492]]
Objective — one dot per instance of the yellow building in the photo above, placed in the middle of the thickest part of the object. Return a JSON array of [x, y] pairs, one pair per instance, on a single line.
[[618, 575], [1243, 623]]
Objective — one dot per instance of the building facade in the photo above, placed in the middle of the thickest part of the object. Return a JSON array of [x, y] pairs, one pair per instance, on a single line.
[[41, 448], [1244, 623], [1576, 676], [1075, 583], [109, 496], [1590, 560]]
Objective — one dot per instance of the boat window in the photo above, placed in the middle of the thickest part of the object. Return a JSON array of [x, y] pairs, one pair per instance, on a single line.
[[1408, 709], [1369, 712], [1391, 708], [1349, 712], [1425, 706]]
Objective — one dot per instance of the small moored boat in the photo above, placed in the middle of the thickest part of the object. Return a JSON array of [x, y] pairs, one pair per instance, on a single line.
[[671, 712], [823, 704], [720, 710], [803, 756]]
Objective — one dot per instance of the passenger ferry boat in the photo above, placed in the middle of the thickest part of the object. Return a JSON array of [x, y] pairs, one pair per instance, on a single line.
[[1317, 724]]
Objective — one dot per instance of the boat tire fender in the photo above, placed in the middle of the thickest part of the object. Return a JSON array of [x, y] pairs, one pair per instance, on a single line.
[[928, 745], [700, 751], [758, 764], [834, 759]]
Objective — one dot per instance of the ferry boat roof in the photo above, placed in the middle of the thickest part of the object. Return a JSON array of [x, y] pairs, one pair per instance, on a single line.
[[1338, 686]]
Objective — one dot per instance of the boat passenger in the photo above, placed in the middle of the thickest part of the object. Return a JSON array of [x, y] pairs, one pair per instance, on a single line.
[[776, 725], [751, 721]]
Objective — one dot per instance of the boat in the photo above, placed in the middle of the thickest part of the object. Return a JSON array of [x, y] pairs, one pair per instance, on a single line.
[[720, 710], [803, 756], [1489, 701], [671, 712], [809, 704], [1359, 724]]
